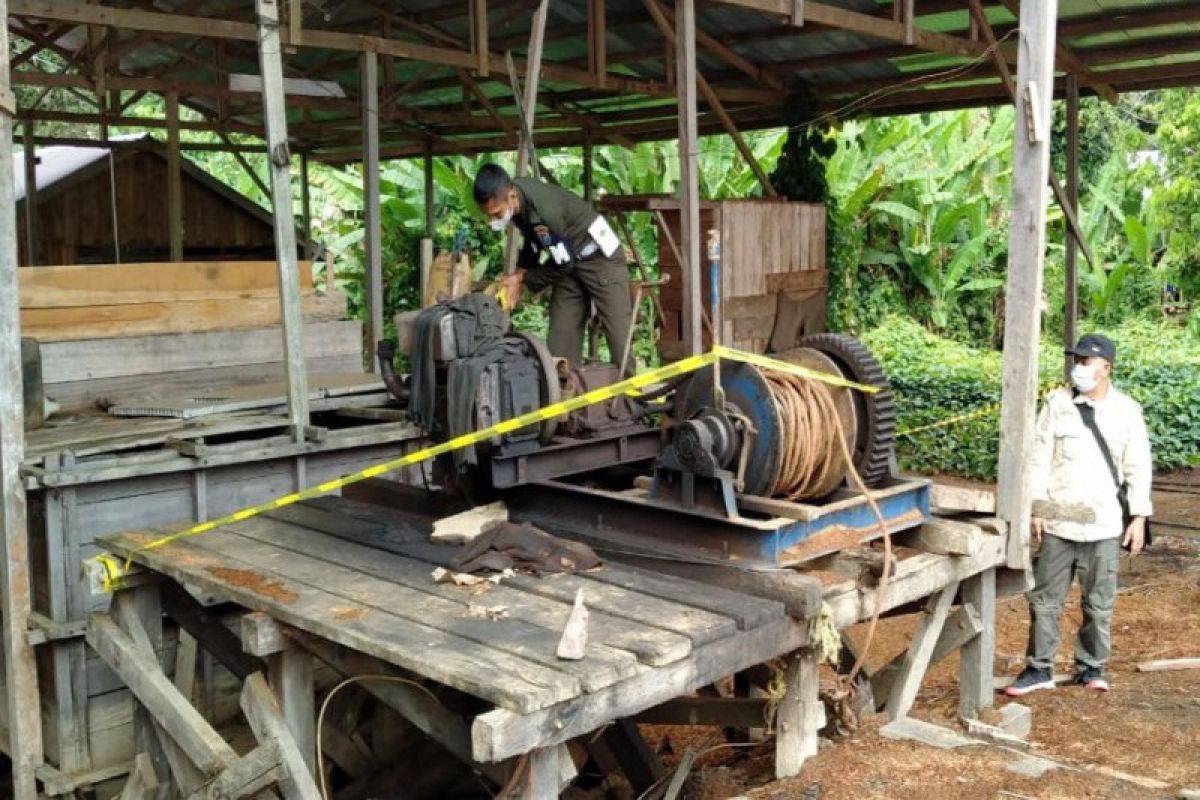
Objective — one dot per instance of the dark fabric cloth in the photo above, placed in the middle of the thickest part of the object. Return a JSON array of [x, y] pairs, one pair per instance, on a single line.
[[478, 323], [462, 385], [508, 545]]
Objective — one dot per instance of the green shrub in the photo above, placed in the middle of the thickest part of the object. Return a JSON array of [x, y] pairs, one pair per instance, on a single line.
[[935, 380]]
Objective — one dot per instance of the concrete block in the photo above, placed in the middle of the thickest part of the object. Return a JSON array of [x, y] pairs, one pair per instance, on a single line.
[[925, 733], [1016, 720]]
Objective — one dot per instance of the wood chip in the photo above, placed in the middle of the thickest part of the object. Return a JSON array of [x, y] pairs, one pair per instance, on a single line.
[[573, 643]]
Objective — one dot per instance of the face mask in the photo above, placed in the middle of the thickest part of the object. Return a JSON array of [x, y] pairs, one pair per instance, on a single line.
[[1083, 377], [502, 223]]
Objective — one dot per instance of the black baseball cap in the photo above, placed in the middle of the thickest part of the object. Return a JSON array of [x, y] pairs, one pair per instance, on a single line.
[[1095, 344]]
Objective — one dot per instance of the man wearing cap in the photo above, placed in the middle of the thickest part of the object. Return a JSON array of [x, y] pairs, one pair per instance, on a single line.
[[1070, 468]]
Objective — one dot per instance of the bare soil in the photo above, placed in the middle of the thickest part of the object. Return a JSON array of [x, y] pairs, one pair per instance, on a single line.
[[1141, 740]]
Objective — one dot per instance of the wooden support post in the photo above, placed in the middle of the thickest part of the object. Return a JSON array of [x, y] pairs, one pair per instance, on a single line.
[[291, 675], [961, 627], [31, 209], [174, 178], [916, 660], [306, 209], [597, 40], [1026, 258], [588, 177], [271, 66], [533, 69], [541, 774], [800, 715], [372, 235], [266, 719], [1071, 301], [479, 36], [20, 672], [430, 223], [689, 178], [976, 662]]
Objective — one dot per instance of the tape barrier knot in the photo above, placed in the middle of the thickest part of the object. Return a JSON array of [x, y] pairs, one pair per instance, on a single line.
[[107, 572]]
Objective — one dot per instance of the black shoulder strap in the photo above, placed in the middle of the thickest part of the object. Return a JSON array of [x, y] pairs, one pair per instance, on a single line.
[[1089, 419]]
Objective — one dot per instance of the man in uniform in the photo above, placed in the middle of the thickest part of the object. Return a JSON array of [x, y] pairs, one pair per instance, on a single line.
[[1088, 442], [565, 245]]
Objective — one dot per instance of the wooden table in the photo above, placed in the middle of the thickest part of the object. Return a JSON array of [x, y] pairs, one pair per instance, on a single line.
[[337, 571]]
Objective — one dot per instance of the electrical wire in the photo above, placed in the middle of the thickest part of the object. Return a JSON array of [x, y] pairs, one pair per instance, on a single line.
[[325, 705]]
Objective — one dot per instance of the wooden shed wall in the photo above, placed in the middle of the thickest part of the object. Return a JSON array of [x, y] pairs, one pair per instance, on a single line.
[[75, 220]]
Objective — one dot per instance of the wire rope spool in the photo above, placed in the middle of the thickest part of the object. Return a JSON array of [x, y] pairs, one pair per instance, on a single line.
[[875, 414]]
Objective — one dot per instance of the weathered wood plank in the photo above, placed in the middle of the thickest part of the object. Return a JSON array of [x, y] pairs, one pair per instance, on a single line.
[[976, 666], [960, 628], [145, 678], [916, 659], [651, 645], [209, 631], [461, 663], [142, 783], [247, 776], [267, 721], [800, 714], [946, 537], [291, 675], [501, 734], [601, 667], [99, 284]]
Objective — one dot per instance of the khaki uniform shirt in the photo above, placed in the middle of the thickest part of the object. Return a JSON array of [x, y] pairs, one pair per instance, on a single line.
[[1069, 468], [554, 231]]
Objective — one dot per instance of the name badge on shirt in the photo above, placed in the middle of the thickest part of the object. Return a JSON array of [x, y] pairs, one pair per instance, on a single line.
[[552, 243], [604, 236]]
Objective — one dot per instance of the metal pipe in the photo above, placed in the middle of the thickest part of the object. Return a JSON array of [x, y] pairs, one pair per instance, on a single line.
[[714, 305]]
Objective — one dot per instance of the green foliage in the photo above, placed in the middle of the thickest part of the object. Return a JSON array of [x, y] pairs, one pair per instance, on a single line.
[[936, 380], [1174, 178], [800, 172]]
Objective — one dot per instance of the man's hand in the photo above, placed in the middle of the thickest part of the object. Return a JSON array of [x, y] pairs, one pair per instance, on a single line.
[[512, 285], [1037, 526], [1135, 536]]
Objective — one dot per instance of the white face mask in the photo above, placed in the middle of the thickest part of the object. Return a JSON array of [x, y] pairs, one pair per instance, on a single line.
[[1083, 377], [502, 223]]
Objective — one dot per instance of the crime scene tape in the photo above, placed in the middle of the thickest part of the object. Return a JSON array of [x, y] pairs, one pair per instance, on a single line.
[[110, 573], [978, 412]]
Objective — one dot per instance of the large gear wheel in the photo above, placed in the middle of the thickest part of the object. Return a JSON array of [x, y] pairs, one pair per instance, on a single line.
[[876, 413]]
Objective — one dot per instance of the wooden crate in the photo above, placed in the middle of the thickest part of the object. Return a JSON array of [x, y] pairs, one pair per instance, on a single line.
[[773, 276]]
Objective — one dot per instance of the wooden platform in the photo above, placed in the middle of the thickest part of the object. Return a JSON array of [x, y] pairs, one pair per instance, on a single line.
[[360, 576]]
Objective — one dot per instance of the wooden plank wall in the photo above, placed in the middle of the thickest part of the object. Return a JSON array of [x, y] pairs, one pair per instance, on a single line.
[[762, 241]]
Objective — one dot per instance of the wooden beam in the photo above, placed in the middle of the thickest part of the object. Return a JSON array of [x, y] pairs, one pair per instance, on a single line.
[[280, 159], [961, 627], [24, 717], [689, 176], [978, 656], [1067, 59], [710, 97], [174, 179], [916, 660], [800, 715], [597, 30], [291, 675], [479, 35], [249, 775], [372, 223], [1070, 244], [145, 678], [31, 205], [306, 208], [533, 69], [1026, 257], [209, 631], [266, 718]]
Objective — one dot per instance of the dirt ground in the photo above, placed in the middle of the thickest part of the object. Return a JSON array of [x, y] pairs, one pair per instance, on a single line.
[[1141, 740]]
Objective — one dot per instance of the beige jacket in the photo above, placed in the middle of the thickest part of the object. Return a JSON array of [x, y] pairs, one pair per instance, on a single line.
[[1069, 468]]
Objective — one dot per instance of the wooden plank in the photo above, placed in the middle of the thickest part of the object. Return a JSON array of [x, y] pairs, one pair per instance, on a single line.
[[506, 680], [1166, 664], [23, 715], [689, 181], [541, 775], [207, 628], [270, 61], [261, 635], [176, 317], [916, 659], [806, 280], [944, 497], [145, 355], [650, 645], [247, 776], [145, 678], [267, 721], [736, 712], [142, 783], [600, 668], [1026, 256], [111, 284], [174, 178], [975, 671], [502, 734], [372, 231], [291, 675], [800, 714], [946, 537], [184, 675], [961, 627], [1070, 245]]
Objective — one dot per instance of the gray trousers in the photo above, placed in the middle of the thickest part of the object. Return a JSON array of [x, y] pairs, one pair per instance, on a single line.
[[1058, 562]]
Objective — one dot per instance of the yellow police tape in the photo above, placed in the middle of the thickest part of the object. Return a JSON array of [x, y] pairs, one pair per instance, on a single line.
[[979, 412], [111, 572]]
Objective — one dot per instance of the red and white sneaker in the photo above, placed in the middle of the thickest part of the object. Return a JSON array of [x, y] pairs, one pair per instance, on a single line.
[[1092, 678]]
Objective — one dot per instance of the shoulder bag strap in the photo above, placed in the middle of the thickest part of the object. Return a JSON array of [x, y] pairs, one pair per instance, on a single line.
[[1089, 419]]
